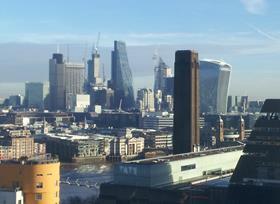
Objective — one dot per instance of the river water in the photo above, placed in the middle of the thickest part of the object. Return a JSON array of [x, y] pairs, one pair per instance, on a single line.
[[90, 175]]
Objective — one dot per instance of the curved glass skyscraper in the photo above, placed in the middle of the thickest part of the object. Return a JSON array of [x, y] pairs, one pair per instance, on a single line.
[[214, 85], [121, 80]]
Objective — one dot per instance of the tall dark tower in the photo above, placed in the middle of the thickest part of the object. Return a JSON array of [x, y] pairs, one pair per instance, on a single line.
[[186, 137], [57, 82]]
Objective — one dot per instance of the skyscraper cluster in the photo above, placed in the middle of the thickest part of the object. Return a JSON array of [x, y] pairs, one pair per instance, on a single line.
[[68, 79]]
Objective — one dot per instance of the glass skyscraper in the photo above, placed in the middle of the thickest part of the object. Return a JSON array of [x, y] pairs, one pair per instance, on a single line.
[[214, 85], [36, 94], [121, 80], [162, 71]]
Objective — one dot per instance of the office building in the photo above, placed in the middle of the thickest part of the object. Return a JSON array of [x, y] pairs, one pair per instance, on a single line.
[[74, 80], [121, 81], [25, 118], [145, 100], [158, 140], [237, 101], [56, 79], [103, 97], [161, 72], [117, 119], [36, 94], [57, 82], [38, 179], [255, 106], [186, 137], [65, 78], [158, 100], [157, 122], [229, 104], [168, 85], [244, 103], [167, 104], [73, 148], [214, 85], [94, 69], [78, 102], [15, 100], [127, 146], [19, 143]]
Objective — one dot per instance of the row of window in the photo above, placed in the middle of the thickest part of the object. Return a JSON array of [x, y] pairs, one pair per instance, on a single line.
[[188, 167]]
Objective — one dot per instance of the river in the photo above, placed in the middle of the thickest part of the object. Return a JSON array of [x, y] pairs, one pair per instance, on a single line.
[[89, 177]]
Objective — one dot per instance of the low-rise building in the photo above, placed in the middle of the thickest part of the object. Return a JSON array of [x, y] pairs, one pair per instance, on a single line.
[[157, 122], [15, 144], [159, 139], [127, 146], [72, 148], [78, 102]]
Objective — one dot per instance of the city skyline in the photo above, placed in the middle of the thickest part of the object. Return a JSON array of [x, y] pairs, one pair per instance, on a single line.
[[237, 32], [123, 101]]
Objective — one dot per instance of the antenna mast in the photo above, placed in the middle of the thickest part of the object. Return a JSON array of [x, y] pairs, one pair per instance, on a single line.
[[97, 43]]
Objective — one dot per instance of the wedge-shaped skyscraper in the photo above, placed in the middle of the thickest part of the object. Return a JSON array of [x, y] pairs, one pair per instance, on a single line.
[[121, 80]]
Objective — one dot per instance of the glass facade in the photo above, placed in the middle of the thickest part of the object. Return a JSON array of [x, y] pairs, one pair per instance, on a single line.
[[122, 77], [34, 94], [214, 85], [162, 71]]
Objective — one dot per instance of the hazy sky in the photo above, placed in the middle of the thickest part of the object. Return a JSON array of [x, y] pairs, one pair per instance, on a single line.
[[244, 33]]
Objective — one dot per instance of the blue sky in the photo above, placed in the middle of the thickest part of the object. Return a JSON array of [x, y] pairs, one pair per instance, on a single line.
[[142, 22], [245, 33]]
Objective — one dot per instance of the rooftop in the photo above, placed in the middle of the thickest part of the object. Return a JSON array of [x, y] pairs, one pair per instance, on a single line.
[[177, 157], [40, 159], [218, 62], [271, 106]]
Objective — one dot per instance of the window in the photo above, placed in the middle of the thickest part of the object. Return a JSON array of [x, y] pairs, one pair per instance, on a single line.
[[39, 185], [187, 167], [38, 196]]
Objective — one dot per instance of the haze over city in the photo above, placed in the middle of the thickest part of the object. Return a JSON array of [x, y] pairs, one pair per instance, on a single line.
[[243, 33]]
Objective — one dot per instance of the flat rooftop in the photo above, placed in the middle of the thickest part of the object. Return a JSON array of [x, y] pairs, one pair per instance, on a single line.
[[177, 157], [41, 159]]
